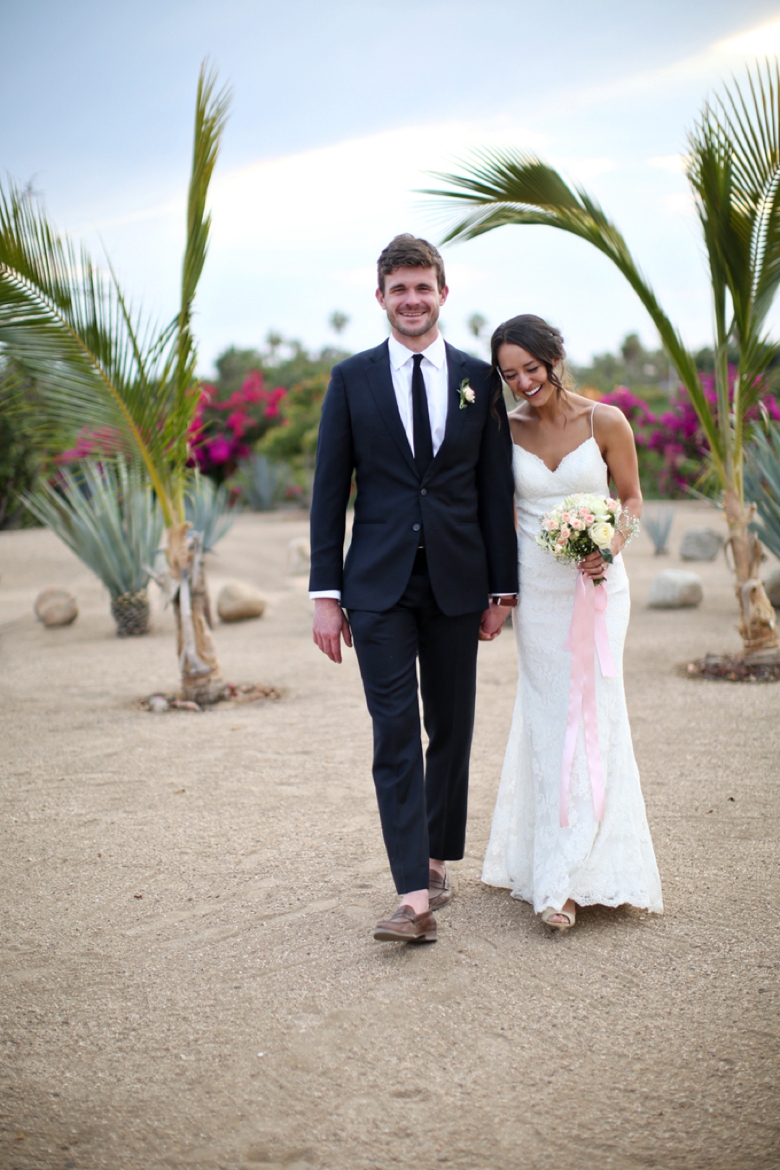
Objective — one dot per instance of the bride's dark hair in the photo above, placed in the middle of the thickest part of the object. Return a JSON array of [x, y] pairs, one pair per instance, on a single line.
[[533, 334]]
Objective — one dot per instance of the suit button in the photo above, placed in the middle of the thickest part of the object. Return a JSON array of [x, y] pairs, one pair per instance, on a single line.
[[415, 528], [423, 491]]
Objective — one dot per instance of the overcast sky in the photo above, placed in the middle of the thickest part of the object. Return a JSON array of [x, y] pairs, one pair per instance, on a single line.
[[340, 107]]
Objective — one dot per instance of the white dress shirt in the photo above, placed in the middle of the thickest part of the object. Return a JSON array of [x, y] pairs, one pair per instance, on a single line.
[[434, 372], [435, 377]]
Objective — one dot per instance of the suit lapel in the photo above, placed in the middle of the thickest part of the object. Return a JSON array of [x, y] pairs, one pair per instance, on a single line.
[[380, 381], [456, 372]]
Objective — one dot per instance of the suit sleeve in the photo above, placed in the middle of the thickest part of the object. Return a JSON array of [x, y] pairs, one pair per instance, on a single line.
[[496, 490], [330, 492]]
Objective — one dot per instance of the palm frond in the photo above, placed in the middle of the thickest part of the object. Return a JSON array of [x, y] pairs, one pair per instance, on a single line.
[[108, 516], [749, 119], [210, 115], [101, 366], [501, 187], [69, 328]]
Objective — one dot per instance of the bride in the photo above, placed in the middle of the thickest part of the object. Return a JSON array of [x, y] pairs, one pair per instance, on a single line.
[[563, 444]]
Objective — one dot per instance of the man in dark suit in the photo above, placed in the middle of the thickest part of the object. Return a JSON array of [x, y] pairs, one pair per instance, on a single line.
[[431, 569]]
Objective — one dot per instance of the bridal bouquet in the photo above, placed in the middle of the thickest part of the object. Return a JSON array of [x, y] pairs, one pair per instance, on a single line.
[[582, 524]]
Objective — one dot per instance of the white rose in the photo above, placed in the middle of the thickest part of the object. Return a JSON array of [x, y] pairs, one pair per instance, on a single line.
[[601, 533], [469, 394], [600, 509]]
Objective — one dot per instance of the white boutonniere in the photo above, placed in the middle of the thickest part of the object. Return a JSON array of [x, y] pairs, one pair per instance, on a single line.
[[467, 395]]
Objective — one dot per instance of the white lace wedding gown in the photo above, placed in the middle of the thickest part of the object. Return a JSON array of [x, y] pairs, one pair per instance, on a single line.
[[607, 863]]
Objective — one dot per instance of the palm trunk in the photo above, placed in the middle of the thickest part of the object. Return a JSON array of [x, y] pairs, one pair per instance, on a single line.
[[200, 676], [758, 626]]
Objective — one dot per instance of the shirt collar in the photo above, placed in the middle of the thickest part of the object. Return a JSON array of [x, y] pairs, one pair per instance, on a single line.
[[400, 355]]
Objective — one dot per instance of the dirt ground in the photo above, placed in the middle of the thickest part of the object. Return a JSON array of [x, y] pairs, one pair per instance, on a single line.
[[188, 973]]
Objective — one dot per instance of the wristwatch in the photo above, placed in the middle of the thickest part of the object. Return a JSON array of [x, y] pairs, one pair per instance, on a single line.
[[508, 602]]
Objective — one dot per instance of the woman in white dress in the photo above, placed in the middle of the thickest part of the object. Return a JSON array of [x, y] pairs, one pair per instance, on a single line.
[[564, 444]]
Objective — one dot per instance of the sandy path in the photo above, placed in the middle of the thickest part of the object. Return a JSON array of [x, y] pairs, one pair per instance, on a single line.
[[239, 1014]]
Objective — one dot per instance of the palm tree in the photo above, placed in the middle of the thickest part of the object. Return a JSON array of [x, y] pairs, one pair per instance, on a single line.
[[103, 368], [733, 166]]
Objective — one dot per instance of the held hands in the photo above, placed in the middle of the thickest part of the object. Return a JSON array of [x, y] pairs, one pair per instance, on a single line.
[[493, 619], [330, 625]]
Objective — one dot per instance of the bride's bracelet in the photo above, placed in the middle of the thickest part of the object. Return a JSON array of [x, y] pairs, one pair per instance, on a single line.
[[627, 526]]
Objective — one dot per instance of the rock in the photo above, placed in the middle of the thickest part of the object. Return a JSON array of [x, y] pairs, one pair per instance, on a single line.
[[298, 557], [56, 607], [159, 704], [700, 544], [237, 602], [675, 589], [772, 586]]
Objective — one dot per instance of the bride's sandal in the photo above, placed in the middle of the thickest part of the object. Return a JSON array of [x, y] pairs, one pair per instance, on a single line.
[[551, 912]]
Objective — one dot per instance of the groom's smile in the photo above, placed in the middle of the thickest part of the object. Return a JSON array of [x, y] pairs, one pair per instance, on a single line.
[[412, 298]]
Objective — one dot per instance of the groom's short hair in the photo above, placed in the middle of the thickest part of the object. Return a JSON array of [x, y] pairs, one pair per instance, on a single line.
[[407, 251]]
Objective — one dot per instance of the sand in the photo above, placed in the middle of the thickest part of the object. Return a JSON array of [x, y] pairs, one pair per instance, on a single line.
[[188, 973]]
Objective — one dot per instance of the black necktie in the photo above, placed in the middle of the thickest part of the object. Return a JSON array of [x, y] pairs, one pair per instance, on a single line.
[[423, 443]]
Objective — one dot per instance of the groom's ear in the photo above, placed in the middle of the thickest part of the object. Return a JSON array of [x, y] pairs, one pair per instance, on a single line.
[[445, 292], [380, 296]]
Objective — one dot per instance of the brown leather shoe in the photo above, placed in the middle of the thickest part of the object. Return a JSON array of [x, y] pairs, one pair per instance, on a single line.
[[406, 926], [439, 889]]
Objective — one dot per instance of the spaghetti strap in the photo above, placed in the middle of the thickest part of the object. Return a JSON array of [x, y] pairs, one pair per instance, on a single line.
[[593, 411]]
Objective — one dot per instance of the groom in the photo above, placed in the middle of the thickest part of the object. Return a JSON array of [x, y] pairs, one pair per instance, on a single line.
[[431, 569]]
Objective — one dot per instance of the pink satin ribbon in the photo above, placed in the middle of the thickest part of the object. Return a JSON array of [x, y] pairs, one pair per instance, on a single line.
[[587, 637]]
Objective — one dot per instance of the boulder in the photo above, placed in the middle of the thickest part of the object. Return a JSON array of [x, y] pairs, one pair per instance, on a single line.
[[772, 586], [675, 589], [298, 557], [700, 544], [237, 602], [56, 607]]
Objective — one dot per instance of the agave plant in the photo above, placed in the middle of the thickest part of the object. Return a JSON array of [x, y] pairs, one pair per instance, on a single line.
[[209, 510], [657, 526], [104, 369], [762, 481], [106, 514], [733, 166], [262, 481]]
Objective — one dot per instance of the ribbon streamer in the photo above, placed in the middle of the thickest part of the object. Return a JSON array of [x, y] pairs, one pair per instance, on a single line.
[[587, 637]]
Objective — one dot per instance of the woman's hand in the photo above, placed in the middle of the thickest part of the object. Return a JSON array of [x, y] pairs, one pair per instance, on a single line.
[[593, 566]]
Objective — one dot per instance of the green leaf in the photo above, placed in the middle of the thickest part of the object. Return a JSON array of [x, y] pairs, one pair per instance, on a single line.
[[106, 513], [101, 366], [503, 187]]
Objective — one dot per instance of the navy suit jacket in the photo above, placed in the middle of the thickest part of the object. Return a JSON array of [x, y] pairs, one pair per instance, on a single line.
[[462, 506]]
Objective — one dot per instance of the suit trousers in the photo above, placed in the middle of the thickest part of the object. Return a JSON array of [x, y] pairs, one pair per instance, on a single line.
[[422, 807]]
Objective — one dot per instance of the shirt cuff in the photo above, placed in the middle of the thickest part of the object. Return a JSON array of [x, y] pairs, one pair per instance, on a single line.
[[334, 593]]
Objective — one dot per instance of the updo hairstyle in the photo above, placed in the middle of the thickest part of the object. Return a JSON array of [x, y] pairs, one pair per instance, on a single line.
[[531, 333]]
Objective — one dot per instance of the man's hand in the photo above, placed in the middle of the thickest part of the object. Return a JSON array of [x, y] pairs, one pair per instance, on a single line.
[[492, 622], [329, 627]]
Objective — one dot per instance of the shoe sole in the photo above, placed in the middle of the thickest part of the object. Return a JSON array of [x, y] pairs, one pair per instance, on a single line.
[[391, 936]]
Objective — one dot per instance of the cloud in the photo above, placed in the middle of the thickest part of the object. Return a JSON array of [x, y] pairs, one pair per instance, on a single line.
[[763, 41], [674, 163]]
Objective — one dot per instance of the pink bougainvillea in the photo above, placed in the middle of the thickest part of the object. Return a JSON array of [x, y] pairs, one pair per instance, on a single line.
[[671, 445], [222, 432], [90, 444]]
